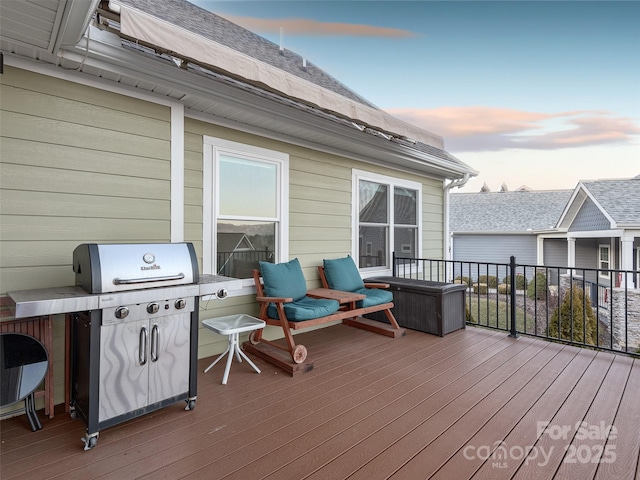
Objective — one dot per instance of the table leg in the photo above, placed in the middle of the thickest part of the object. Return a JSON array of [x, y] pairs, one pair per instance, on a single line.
[[247, 359], [217, 359], [30, 409]]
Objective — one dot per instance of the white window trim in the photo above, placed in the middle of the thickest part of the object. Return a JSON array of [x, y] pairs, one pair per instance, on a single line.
[[600, 273], [356, 176], [212, 148]]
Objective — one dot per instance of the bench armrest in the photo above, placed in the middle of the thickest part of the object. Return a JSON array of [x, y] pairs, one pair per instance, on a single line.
[[274, 299], [376, 285]]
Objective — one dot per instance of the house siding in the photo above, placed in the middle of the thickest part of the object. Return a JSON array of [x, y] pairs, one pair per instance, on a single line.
[[319, 211], [77, 165], [589, 218], [555, 252], [495, 248]]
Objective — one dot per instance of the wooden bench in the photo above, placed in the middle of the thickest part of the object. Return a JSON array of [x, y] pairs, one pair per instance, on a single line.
[[292, 357]]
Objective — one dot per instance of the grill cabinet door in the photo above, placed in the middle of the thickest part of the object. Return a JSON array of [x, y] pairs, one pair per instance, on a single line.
[[169, 356], [123, 380]]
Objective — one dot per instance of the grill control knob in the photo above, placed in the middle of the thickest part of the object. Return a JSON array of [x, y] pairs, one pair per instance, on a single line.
[[121, 312], [153, 308], [222, 293], [180, 303]]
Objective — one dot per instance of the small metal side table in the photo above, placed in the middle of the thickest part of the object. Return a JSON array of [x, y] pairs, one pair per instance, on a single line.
[[23, 365], [233, 325]]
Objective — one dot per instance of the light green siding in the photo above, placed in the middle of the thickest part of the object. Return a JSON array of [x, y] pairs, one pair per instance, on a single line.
[[77, 165]]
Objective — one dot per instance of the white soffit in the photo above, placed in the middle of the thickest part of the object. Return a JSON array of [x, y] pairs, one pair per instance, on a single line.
[[144, 27]]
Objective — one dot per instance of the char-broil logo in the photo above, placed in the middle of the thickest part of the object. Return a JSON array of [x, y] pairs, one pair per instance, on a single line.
[[151, 267]]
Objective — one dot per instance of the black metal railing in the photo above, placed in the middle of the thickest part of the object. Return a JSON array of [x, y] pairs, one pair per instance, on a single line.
[[588, 307]]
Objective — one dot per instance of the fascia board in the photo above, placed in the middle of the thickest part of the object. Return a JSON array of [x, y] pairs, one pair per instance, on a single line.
[[567, 208]]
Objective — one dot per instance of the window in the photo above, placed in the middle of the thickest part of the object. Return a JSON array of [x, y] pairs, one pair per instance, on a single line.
[[245, 191], [387, 215], [603, 260]]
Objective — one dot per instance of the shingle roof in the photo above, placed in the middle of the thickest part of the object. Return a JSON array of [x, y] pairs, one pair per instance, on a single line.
[[620, 198], [516, 211]]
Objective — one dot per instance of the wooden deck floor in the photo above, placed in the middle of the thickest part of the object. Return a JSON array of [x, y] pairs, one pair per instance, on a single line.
[[470, 405]]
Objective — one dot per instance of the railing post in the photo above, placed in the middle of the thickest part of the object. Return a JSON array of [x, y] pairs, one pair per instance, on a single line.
[[393, 263], [512, 276]]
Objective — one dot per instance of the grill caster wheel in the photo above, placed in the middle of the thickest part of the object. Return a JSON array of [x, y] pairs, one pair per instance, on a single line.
[[90, 441], [191, 404], [72, 413]]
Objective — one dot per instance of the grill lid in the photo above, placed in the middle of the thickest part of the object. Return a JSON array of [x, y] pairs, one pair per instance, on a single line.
[[133, 266]]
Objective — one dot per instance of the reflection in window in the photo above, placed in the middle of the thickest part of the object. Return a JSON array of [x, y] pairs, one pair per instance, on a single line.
[[386, 222], [240, 246]]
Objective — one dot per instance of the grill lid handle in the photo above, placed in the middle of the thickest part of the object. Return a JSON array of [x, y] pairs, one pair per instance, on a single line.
[[130, 281]]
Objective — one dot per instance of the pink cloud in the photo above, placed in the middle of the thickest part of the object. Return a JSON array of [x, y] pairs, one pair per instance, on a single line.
[[302, 26], [490, 129]]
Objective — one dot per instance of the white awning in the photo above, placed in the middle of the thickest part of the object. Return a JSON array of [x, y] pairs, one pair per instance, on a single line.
[[184, 43]]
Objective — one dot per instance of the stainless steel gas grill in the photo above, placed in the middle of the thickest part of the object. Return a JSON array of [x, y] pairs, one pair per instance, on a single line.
[[137, 351]]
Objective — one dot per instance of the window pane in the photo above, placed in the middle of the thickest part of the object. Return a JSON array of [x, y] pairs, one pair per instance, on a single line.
[[373, 247], [405, 206], [373, 202], [405, 242], [247, 188], [241, 245]]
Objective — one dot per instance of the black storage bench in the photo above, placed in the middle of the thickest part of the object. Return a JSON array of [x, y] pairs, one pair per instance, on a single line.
[[432, 307]]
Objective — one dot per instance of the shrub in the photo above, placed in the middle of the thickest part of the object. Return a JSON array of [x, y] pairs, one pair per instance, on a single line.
[[465, 280], [578, 319], [504, 289], [469, 315], [537, 289], [490, 280], [521, 282], [480, 288]]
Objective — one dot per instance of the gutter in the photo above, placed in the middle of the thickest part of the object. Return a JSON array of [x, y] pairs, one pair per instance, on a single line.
[[461, 182]]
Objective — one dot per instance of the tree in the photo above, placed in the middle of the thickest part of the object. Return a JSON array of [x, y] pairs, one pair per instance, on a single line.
[[575, 313]]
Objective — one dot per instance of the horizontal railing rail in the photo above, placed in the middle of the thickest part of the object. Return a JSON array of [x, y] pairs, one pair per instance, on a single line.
[[588, 307]]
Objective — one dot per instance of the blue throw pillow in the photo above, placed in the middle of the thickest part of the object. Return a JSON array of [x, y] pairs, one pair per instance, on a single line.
[[283, 280], [342, 274]]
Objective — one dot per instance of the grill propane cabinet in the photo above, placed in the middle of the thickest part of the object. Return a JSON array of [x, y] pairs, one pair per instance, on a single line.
[[137, 351]]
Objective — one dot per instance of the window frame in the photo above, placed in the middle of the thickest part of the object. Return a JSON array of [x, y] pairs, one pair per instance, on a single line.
[[213, 147], [391, 183], [606, 274]]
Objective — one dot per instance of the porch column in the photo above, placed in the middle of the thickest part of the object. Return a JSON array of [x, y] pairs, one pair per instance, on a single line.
[[626, 260], [571, 254]]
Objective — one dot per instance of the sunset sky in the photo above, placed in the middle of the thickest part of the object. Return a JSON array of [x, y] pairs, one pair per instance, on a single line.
[[533, 93]]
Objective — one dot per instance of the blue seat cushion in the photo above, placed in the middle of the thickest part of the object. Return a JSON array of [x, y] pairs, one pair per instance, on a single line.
[[306, 308], [342, 274], [375, 296], [283, 280]]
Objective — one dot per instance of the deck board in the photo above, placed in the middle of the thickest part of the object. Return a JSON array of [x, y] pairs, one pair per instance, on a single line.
[[372, 408]]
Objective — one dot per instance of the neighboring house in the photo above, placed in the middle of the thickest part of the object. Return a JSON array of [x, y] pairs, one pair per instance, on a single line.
[[491, 227], [601, 223], [596, 227], [147, 121]]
